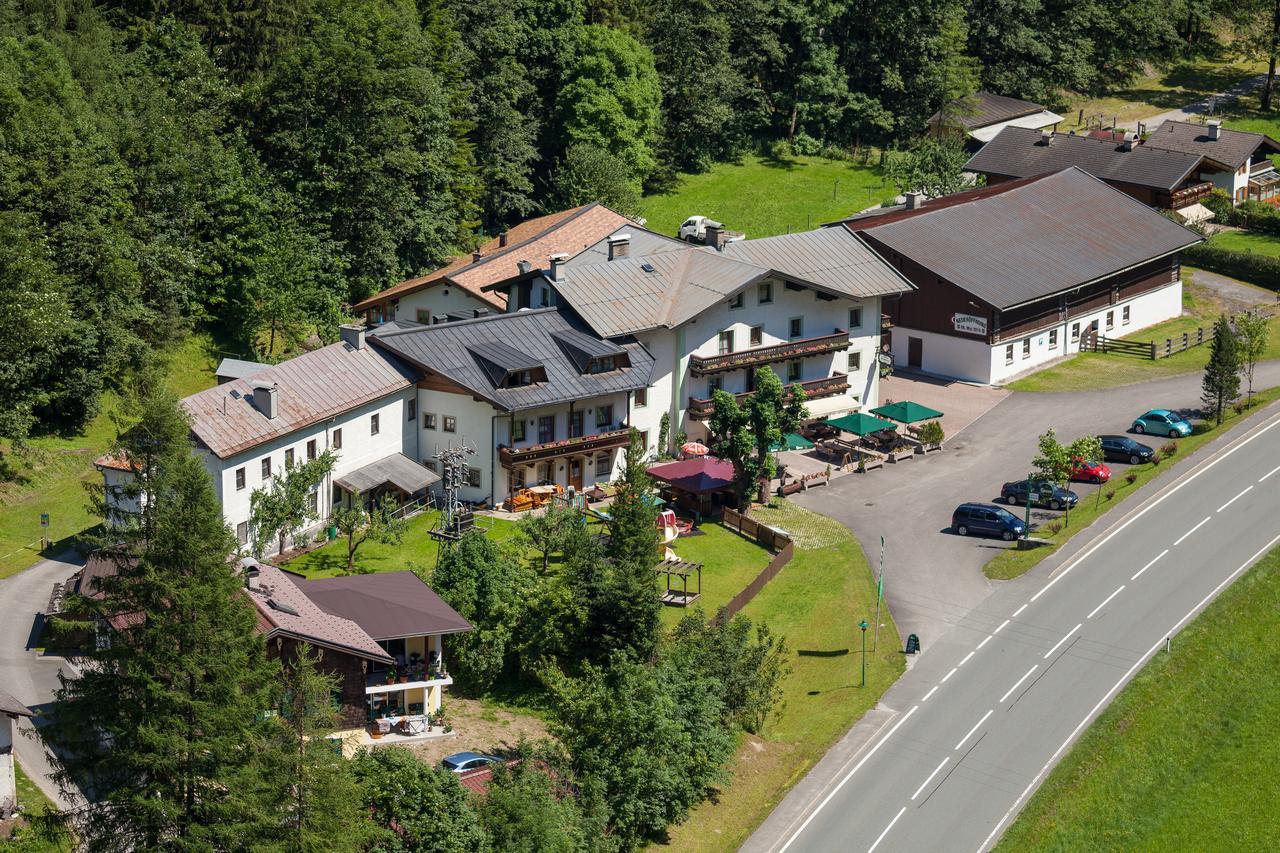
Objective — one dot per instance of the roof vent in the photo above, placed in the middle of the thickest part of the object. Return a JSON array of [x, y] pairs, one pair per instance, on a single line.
[[914, 199], [647, 267], [619, 246], [1215, 129], [251, 575], [1127, 143], [266, 399], [1046, 137], [502, 240], [276, 604], [477, 256], [524, 267]]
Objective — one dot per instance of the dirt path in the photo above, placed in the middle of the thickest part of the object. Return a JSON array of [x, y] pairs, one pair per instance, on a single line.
[[1205, 106], [1229, 294]]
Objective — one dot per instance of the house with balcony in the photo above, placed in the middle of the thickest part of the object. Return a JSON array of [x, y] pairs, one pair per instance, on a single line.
[[1235, 161]]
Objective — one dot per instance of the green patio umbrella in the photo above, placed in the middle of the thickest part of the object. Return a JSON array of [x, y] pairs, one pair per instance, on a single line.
[[860, 423], [791, 441], [907, 412]]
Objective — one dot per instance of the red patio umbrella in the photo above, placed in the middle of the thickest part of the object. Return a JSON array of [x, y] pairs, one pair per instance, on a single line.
[[694, 448]]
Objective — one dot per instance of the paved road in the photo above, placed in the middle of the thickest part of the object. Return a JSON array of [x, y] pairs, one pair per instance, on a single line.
[[29, 676], [1209, 105], [960, 741]]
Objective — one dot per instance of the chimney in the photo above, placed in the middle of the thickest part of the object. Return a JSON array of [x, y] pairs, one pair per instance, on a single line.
[[1215, 129], [914, 199], [1127, 144], [714, 235], [619, 246], [476, 256], [557, 265], [251, 578], [502, 240], [266, 399], [352, 335], [1046, 137], [524, 267]]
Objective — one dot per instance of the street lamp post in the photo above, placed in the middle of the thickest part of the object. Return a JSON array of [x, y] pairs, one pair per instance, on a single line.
[[1026, 524], [863, 625]]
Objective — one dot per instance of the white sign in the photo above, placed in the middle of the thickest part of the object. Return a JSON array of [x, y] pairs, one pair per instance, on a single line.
[[969, 324]]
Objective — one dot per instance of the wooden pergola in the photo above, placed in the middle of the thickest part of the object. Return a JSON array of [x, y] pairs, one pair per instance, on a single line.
[[682, 569]]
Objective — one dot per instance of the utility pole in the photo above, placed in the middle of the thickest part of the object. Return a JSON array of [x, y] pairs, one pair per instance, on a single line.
[[1026, 527], [863, 625], [875, 637]]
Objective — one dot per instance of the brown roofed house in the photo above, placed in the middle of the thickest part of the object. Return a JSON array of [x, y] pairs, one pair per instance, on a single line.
[[982, 115]]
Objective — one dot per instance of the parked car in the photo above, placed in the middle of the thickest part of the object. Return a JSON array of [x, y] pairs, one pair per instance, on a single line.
[[1084, 471], [461, 762], [1043, 493], [1121, 448], [987, 519], [1162, 422]]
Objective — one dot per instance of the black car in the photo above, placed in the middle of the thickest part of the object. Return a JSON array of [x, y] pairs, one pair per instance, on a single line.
[[1043, 493], [988, 519], [1121, 448]]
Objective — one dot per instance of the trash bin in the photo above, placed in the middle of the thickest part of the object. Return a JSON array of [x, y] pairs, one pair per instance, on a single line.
[[332, 532]]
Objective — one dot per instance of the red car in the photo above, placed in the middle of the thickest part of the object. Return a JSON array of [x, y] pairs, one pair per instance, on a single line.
[[1090, 472]]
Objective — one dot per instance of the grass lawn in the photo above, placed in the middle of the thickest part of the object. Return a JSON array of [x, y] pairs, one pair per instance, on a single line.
[[33, 802], [1247, 241], [730, 562], [816, 603], [1090, 370], [1012, 563], [1185, 757], [764, 197]]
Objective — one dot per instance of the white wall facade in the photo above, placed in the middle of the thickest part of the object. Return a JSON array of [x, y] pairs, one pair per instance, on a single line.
[[8, 780], [438, 300], [973, 360]]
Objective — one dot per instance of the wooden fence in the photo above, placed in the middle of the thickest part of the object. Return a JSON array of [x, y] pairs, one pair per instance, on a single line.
[[1143, 349], [773, 539]]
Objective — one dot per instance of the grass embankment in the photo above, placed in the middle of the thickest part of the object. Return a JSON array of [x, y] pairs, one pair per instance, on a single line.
[[1247, 241], [54, 470], [1201, 306], [765, 197], [729, 563], [33, 802], [816, 603], [1185, 757], [1012, 563]]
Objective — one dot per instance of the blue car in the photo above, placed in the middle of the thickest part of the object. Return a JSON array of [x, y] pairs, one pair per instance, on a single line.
[[1162, 422], [987, 519], [461, 762]]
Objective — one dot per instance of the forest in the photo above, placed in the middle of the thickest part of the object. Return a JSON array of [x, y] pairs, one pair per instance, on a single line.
[[250, 167]]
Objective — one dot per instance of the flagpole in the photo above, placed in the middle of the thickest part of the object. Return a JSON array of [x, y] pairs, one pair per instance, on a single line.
[[875, 640]]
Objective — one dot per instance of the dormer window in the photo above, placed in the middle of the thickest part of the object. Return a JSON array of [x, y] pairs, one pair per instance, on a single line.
[[603, 364], [519, 377]]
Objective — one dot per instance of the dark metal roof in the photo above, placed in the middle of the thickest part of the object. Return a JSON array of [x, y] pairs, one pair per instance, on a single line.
[[12, 707], [1037, 238], [235, 368], [386, 605], [506, 358], [397, 469], [445, 349], [983, 108], [1232, 148], [1022, 152]]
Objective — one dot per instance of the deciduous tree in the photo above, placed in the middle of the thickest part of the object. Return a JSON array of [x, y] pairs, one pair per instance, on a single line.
[[1254, 333], [358, 525], [283, 507], [744, 433]]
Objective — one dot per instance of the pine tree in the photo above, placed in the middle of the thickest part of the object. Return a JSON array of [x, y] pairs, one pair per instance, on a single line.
[[626, 619], [1221, 385]]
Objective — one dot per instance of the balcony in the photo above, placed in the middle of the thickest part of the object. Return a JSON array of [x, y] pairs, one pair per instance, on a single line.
[[702, 365], [376, 682], [1189, 194], [814, 389], [1264, 165], [566, 447]]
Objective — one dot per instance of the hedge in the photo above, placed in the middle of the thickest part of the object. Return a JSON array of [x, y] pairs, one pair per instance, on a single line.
[[1261, 270]]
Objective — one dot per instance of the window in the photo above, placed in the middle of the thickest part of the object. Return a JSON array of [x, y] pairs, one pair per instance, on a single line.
[[604, 465], [644, 440], [757, 336], [1026, 347], [517, 478], [413, 411], [473, 477], [337, 496], [855, 362], [450, 423], [604, 416], [423, 316], [855, 318], [764, 293], [797, 327], [311, 449], [1075, 332], [545, 295], [1124, 316], [714, 383], [428, 420], [313, 503], [239, 479], [640, 398], [337, 438], [517, 378], [1053, 339], [546, 428], [431, 465], [1008, 354], [603, 364], [737, 301], [544, 472], [242, 533], [575, 424], [288, 458], [517, 430], [1111, 319], [374, 421], [793, 371], [266, 468], [726, 342]]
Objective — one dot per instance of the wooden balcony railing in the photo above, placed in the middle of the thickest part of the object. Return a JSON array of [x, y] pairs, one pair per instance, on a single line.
[[814, 389], [1189, 195], [566, 447], [1264, 165], [701, 365]]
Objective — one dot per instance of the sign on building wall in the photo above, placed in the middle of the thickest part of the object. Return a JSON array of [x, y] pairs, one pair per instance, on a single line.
[[969, 324]]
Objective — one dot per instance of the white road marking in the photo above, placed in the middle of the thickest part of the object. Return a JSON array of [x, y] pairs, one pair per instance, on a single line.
[[984, 642], [1190, 477], [1019, 682], [872, 848], [1233, 500], [1124, 678], [948, 675], [975, 727], [930, 693], [926, 782], [1001, 628], [1063, 640], [1149, 565], [1269, 473], [1019, 610], [1192, 530], [847, 777], [966, 659], [1095, 610]]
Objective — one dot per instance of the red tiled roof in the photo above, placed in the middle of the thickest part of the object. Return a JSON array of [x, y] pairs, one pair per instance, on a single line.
[[534, 240], [476, 780], [114, 461], [284, 607]]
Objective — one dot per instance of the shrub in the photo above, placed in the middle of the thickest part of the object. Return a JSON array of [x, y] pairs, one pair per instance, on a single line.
[[1053, 527], [1130, 479], [1247, 266], [1241, 406], [1157, 457], [1110, 493], [1169, 449], [931, 433], [805, 144]]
